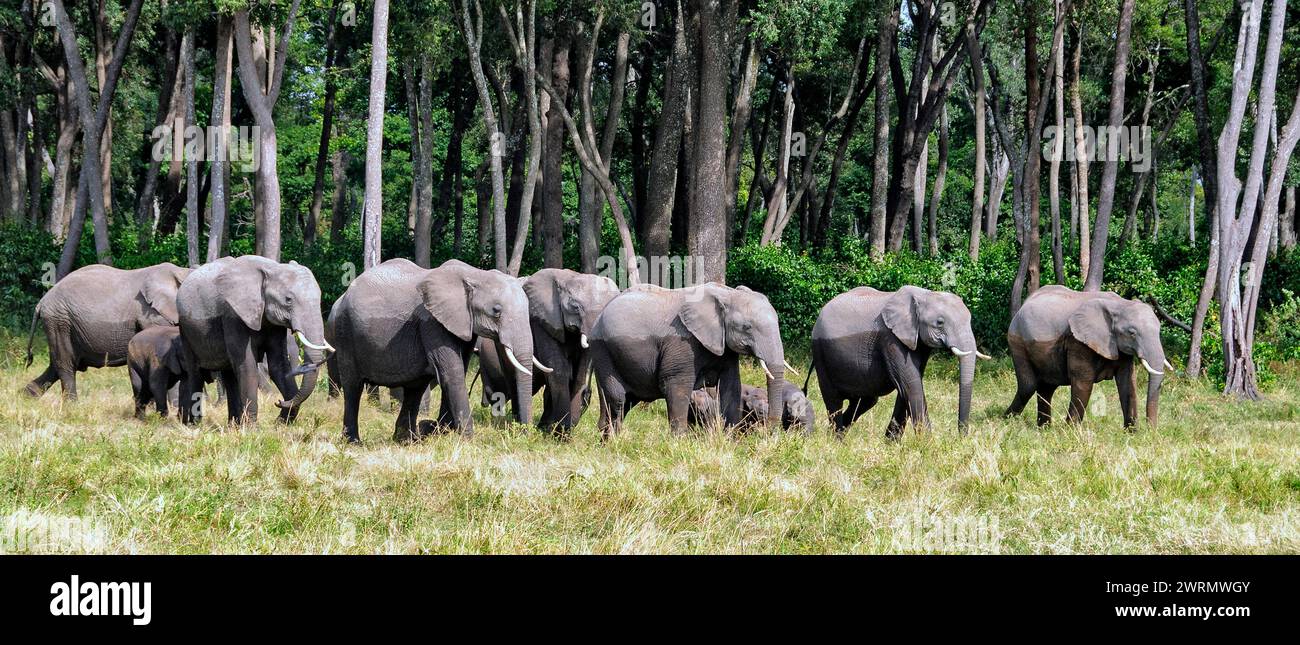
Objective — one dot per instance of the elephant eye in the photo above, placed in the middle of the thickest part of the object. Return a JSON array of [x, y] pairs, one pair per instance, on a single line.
[[938, 323], [496, 311]]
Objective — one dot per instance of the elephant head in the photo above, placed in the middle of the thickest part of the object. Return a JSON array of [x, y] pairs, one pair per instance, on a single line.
[[280, 295], [567, 302], [1115, 327], [158, 291], [742, 321], [471, 302], [938, 320]]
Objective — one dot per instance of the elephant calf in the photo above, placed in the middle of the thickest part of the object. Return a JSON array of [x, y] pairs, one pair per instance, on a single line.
[[797, 413], [1065, 337], [154, 359]]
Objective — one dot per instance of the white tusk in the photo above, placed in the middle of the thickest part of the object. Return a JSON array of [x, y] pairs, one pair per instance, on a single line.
[[510, 354], [765, 370], [790, 367], [1150, 369], [983, 356], [958, 352], [583, 339], [1167, 365], [302, 340], [538, 365]]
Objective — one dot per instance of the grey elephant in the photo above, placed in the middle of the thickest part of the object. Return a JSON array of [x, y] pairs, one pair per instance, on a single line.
[[402, 326], [798, 411], [155, 360], [1065, 337], [562, 308], [235, 312], [92, 313], [652, 343], [868, 343]]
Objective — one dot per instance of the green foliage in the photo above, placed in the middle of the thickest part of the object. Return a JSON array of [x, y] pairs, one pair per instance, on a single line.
[[27, 258]]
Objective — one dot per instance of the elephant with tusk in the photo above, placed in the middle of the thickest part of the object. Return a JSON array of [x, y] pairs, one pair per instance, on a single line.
[[1065, 337], [402, 326], [654, 343], [868, 343], [562, 309], [235, 312]]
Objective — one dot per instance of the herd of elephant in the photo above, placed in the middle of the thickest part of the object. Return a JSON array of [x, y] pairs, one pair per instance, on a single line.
[[409, 328]]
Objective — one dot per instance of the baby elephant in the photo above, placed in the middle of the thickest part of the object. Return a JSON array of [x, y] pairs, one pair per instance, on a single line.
[[797, 413], [154, 360]]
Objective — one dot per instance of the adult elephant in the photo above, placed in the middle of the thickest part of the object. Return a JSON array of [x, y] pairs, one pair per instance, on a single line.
[[236, 311], [1065, 337], [92, 313], [868, 343], [562, 309], [402, 326], [652, 343]]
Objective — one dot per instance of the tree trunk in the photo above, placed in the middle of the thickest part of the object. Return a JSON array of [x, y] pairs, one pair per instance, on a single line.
[[193, 223], [1080, 157], [1209, 182], [662, 182], [220, 118], [332, 53], [424, 205], [885, 37], [707, 237], [976, 61], [1054, 171], [1106, 196], [553, 162], [473, 31], [373, 209], [939, 178]]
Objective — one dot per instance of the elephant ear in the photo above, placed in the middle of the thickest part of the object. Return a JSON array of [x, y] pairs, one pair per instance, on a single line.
[[242, 289], [703, 312], [545, 304], [174, 356], [899, 316], [446, 295], [1090, 324], [159, 291]]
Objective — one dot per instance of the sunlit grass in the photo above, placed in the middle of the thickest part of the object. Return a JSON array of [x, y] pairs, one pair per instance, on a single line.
[[1217, 476]]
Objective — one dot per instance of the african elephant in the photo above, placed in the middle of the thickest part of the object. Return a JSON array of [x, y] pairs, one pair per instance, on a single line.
[[1065, 337], [92, 313], [868, 343], [402, 326], [236, 311], [562, 308], [155, 359], [754, 408], [651, 343]]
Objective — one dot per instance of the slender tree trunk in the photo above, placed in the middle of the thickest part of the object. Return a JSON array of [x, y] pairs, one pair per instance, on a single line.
[[473, 32], [193, 223], [662, 182], [885, 37], [939, 179], [1106, 196], [1080, 156], [553, 162], [373, 209], [976, 61], [332, 54], [1058, 143], [1209, 182], [220, 119], [424, 207]]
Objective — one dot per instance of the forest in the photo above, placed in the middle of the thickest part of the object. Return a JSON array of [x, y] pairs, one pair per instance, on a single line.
[[801, 148]]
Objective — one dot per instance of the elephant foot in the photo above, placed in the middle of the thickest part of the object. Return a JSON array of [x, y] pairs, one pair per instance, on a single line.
[[352, 440], [33, 390]]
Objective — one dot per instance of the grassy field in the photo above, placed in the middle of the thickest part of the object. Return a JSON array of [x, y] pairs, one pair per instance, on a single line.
[[1216, 477]]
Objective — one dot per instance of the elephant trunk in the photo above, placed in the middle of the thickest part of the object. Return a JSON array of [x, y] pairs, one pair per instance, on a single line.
[[966, 381], [311, 336], [772, 360], [1153, 360], [516, 345]]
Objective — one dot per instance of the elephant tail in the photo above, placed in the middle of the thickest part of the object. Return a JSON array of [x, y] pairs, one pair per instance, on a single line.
[[807, 377], [31, 336], [475, 380]]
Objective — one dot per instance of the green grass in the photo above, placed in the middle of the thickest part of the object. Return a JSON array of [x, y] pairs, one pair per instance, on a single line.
[[1218, 476]]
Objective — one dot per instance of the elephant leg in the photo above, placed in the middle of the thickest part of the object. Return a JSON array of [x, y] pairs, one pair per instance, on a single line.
[[907, 370], [557, 404], [234, 397], [352, 390], [455, 397], [898, 421], [1045, 393], [139, 392], [613, 406], [1080, 393], [406, 429], [158, 387], [833, 399], [1126, 384], [729, 395], [1026, 383], [64, 359], [41, 383], [678, 397], [279, 366], [243, 363]]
